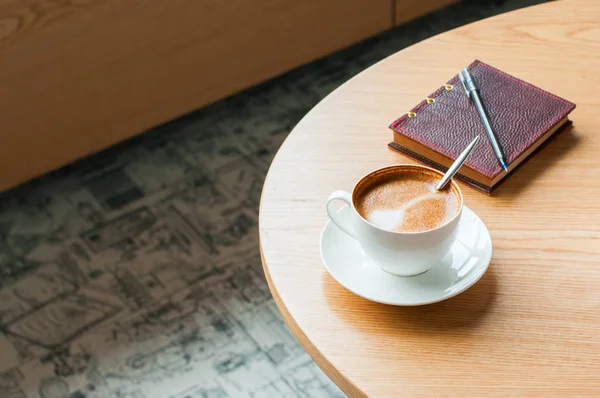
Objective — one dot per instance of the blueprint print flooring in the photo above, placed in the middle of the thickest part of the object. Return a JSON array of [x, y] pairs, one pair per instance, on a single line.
[[135, 273]]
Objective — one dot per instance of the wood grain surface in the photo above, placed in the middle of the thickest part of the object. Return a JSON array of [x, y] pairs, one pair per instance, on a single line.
[[531, 326], [79, 75]]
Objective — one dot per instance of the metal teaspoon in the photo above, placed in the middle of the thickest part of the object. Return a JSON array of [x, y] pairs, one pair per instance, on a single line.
[[457, 163]]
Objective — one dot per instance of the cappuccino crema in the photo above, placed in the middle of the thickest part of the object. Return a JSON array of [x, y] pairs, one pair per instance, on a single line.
[[405, 200]]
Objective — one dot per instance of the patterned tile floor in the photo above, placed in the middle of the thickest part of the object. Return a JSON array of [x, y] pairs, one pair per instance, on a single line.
[[136, 273]]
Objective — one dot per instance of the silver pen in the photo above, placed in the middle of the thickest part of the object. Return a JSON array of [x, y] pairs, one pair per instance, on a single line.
[[473, 93]]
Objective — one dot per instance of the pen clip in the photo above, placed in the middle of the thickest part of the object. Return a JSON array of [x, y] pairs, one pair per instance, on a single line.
[[464, 84]]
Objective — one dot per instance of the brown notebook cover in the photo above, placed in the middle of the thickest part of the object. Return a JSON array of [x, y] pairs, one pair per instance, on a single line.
[[523, 116]]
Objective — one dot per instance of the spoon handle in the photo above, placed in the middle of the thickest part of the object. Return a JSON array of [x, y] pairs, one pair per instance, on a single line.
[[457, 163]]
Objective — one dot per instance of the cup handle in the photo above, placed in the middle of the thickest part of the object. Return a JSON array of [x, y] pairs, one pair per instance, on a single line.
[[342, 224]]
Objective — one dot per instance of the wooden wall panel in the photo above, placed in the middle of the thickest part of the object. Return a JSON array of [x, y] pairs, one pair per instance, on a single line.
[[406, 10], [79, 75]]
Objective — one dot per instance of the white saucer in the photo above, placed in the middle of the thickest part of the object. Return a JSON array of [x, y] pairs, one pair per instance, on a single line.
[[463, 266]]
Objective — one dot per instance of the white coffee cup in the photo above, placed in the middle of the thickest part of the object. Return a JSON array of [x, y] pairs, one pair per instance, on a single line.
[[399, 253]]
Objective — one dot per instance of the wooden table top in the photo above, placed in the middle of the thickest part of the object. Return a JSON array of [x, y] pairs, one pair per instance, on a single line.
[[531, 325]]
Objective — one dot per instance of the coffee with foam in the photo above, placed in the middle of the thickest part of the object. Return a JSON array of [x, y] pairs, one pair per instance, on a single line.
[[405, 200]]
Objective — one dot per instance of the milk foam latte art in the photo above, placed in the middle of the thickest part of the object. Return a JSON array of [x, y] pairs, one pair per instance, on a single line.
[[405, 200]]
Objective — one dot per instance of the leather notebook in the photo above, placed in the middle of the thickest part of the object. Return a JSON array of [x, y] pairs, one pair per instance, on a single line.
[[439, 127]]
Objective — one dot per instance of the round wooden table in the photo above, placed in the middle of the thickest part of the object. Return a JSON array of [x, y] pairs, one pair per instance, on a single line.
[[531, 325]]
